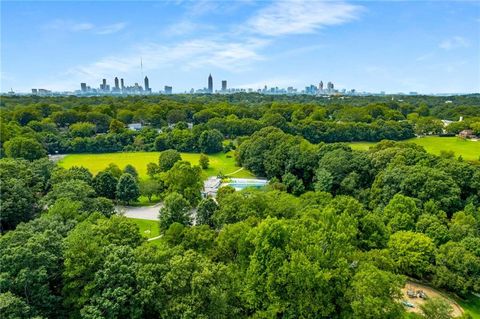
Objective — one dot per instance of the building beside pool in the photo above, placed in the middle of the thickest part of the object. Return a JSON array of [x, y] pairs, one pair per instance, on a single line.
[[212, 184]]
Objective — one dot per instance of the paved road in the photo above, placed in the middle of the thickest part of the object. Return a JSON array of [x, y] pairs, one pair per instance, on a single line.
[[144, 212]]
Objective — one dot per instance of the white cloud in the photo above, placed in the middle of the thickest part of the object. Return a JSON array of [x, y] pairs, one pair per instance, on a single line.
[[233, 56], [299, 17], [424, 57], [186, 27], [112, 28], [81, 26], [73, 26], [453, 43]]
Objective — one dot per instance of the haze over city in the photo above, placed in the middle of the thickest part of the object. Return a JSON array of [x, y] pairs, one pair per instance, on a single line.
[[426, 47]]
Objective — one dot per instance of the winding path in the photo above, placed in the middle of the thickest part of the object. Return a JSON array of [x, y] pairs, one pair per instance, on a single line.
[[238, 170]]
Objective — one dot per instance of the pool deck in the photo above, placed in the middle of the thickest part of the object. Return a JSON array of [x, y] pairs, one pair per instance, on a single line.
[[212, 184]]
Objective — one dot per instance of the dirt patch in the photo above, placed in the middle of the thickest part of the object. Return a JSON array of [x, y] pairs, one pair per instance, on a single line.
[[430, 293]]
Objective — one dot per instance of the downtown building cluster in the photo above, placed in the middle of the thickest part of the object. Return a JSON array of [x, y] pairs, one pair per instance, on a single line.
[[119, 88]]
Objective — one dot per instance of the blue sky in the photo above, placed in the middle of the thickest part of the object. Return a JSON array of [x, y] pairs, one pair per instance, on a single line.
[[392, 46]]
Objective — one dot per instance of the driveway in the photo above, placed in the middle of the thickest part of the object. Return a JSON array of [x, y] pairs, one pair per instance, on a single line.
[[144, 212]]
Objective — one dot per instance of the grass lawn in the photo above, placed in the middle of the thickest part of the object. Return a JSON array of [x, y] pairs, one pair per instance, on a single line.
[[471, 305], [220, 162], [148, 228], [469, 150]]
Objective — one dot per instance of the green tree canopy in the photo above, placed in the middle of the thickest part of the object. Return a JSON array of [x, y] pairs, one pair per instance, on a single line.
[[127, 188], [167, 159]]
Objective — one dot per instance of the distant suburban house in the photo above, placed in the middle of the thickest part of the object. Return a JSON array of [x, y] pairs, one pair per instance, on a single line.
[[466, 134], [135, 126]]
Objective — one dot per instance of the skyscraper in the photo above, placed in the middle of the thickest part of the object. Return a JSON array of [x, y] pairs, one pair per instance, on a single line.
[[103, 86], [210, 84], [83, 87], [168, 89], [320, 86], [147, 86], [122, 84], [116, 84], [224, 85]]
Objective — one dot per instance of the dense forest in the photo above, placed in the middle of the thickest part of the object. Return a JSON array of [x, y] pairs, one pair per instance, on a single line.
[[98, 124], [335, 234]]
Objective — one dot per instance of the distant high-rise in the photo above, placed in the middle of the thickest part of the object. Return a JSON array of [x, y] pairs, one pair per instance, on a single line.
[[103, 86], [147, 86], [168, 89], [224, 85], [122, 85], [83, 87], [320, 86], [210, 84], [116, 84]]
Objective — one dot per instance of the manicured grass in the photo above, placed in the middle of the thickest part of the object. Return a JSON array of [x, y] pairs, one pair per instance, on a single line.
[[469, 150], [148, 228], [220, 162], [471, 305]]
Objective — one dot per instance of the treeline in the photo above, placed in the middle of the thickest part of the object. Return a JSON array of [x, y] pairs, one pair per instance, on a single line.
[[98, 124], [334, 235]]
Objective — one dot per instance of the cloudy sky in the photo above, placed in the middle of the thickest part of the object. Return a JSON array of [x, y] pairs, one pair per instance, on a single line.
[[391, 46]]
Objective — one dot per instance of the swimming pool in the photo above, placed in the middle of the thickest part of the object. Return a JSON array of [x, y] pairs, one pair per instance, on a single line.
[[241, 183]]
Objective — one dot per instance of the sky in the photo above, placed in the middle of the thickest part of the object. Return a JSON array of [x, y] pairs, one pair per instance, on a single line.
[[373, 46]]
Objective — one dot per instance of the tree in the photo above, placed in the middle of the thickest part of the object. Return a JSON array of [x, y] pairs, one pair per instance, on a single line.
[[297, 270], [75, 190], [114, 169], [294, 185], [203, 161], [127, 188], [85, 250], [175, 210], [205, 210], [18, 203], [161, 142], [323, 180], [210, 141], [185, 179], [14, 307], [152, 170], [82, 129], [75, 172], [375, 293], [436, 308], [32, 266], [401, 213], [24, 147], [116, 127], [167, 159], [412, 253], [195, 287], [116, 293], [150, 187], [458, 266], [129, 169], [105, 184]]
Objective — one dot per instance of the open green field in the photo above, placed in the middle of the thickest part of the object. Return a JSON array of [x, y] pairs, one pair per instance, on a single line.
[[148, 228], [219, 163], [469, 150], [471, 305]]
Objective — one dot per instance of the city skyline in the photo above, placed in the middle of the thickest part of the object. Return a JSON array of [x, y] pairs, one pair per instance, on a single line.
[[426, 47], [105, 88]]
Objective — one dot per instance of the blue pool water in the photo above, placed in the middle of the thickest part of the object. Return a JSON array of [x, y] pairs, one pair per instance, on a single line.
[[240, 184], [245, 185]]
